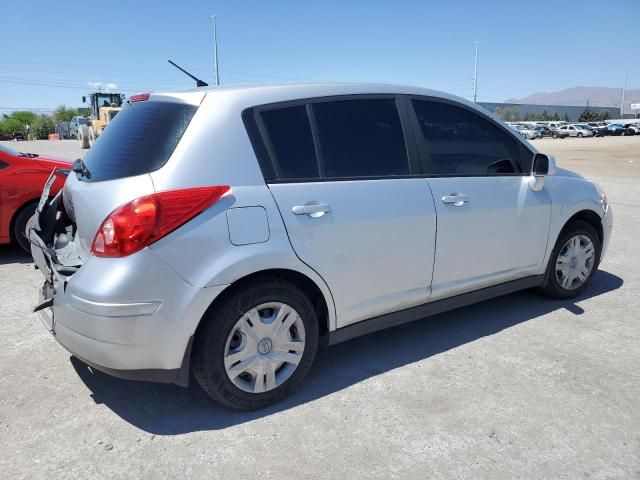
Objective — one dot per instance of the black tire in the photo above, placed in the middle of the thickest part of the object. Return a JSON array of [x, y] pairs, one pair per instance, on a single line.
[[210, 340], [83, 140], [579, 135], [555, 135], [551, 287], [20, 226]]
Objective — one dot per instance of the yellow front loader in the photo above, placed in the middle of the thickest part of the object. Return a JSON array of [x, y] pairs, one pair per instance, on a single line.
[[104, 108]]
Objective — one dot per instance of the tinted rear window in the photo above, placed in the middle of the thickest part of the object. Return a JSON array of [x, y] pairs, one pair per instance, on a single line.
[[139, 140], [291, 142], [361, 138]]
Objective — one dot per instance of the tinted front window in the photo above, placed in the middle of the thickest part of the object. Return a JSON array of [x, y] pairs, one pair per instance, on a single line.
[[290, 142], [460, 142], [361, 138], [139, 140]]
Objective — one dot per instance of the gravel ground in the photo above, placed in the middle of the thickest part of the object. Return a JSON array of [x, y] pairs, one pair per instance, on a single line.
[[518, 387]]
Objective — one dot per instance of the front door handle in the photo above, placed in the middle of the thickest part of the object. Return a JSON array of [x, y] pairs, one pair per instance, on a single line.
[[456, 199], [314, 210]]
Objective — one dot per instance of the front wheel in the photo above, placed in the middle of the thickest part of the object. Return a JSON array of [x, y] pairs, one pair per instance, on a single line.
[[579, 135], [257, 345], [573, 262], [22, 225], [83, 138]]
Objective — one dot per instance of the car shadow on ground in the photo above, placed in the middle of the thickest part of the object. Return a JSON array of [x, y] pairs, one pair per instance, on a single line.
[[12, 254], [168, 410]]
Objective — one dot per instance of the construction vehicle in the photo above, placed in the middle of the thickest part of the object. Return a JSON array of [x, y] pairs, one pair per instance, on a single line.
[[104, 108]]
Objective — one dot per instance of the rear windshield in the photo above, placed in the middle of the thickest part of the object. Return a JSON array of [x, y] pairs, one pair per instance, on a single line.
[[139, 140]]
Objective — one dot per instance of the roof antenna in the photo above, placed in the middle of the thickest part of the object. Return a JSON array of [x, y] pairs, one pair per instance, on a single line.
[[199, 83]]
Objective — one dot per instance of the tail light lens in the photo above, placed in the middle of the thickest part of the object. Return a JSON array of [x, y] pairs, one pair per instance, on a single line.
[[139, 223]]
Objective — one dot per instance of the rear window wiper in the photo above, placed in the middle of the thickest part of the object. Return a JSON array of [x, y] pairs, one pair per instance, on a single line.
[[80, 167]]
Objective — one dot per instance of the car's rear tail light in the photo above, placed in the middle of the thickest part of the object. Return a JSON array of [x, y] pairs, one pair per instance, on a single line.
[[139, 223]]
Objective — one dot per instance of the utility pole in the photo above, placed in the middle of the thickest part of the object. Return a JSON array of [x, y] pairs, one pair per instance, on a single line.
[[475, 74], [215, 50], [622, 101]]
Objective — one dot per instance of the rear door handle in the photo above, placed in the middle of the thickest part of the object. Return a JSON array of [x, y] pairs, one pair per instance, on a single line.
[[314, 210], [456, 199]]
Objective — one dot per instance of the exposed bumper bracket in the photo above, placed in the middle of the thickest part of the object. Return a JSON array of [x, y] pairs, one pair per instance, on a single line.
[[45, 304]]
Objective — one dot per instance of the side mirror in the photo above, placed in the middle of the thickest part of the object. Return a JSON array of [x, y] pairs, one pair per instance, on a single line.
[[543, 165], [540, 165]]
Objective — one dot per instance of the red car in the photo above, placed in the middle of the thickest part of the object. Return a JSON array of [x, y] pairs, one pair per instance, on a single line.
[[22, 177]]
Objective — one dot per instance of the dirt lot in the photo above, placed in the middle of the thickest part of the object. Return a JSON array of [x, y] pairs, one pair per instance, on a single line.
[[518, 387]]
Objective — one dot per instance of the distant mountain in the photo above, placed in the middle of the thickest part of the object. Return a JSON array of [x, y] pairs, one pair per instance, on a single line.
[[580, 96]]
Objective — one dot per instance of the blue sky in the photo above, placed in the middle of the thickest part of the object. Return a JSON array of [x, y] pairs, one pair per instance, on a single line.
[[52, 51]]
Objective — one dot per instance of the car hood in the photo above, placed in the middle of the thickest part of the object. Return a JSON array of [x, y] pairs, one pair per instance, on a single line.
[[563, 172], [53, 162]]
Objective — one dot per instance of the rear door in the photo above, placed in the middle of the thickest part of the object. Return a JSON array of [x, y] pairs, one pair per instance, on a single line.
[[492, 227], [352, 209]]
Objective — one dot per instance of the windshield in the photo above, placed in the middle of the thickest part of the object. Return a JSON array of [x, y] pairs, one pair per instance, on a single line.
[[9, 151], [82, 121], [139, 140], [108, 100]]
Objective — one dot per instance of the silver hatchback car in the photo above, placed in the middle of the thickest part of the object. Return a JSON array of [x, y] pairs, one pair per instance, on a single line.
[[231, 231]]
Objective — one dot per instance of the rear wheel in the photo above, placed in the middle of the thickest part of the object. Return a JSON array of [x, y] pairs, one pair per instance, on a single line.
[[257, 346], [573, 262]]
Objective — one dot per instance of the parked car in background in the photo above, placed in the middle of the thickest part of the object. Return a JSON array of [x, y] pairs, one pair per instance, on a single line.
[[633, 129], [264, 245], [513, 127], [595, 132], [599, 127], [616, 129], [551, 132], [556, 124], [22, 177], [528, 131], [75, 123], [18, 136], [574, 131]]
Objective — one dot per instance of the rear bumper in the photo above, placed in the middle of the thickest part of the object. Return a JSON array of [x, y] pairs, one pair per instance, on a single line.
[[132, 317]]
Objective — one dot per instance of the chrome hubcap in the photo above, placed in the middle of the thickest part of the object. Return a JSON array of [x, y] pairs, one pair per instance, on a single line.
[[264, 347], [575, 262]]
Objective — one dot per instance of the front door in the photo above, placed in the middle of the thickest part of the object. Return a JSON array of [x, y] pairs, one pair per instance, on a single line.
[[492, 227]]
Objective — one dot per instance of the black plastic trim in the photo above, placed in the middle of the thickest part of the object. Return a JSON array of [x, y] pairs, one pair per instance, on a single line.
[[429, 309], [178, 376]]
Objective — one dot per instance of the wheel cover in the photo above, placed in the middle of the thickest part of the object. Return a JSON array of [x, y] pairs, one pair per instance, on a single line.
[[575, 262], [264, 347]]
